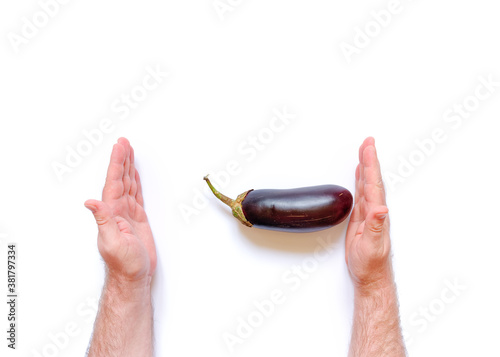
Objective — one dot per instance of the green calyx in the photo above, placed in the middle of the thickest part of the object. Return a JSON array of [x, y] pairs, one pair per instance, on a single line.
[[235, 205]]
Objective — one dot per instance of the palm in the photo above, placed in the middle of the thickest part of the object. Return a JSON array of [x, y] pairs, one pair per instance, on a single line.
[[362, 250], [127, 243]]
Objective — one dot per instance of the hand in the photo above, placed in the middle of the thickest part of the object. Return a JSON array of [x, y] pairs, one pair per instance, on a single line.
[[368, 244], [125, 240]]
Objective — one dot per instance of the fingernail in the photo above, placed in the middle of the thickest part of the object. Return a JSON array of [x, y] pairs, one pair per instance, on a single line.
[[91, 208], [382, 216]]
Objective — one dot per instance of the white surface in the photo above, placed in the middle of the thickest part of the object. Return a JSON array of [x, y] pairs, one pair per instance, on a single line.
[[227, 77]]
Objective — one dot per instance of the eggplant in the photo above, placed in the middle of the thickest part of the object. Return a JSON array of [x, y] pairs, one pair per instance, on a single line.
[[305, 209]]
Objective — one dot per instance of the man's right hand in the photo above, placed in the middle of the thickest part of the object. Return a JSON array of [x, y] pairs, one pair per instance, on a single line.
[[124, 323], [125, 240], [376, 330], [368, 244]]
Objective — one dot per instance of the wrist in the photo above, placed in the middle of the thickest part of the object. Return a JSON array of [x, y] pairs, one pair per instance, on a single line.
[[381, 290], [374, 280], [127, 290], [383, 285]]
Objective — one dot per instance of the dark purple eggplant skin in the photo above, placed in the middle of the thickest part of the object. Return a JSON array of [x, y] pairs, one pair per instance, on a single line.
[[305, 209]]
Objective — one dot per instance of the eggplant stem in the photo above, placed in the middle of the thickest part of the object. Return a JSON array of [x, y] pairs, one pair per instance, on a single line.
[[228, 201], [236, 205]]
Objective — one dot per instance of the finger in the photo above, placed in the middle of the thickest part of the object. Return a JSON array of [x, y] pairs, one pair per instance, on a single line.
[[133, 185], [354, 221], [133, 182], [356, 212], [358, 184], [113, 188], [131, 172], [374, 186], [361, 180], [138, 195], [126, 167], [104, 218], [116, 161], [367, 142], [374, 226]]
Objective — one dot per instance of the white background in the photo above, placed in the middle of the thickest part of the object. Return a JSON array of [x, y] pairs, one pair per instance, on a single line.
[[227, 77]]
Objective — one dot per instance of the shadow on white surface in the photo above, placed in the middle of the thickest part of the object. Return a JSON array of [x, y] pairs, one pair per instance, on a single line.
[[295, 242]]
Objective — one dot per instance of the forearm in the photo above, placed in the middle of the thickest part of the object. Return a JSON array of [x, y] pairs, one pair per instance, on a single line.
[[376, 326], [123, 325]]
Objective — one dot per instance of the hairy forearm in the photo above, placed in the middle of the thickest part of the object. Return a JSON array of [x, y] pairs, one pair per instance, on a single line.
[[123, 325], [376, 326]]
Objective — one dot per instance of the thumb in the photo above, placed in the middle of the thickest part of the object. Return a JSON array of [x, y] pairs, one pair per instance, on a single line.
[[374, 225], [103, 217]]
